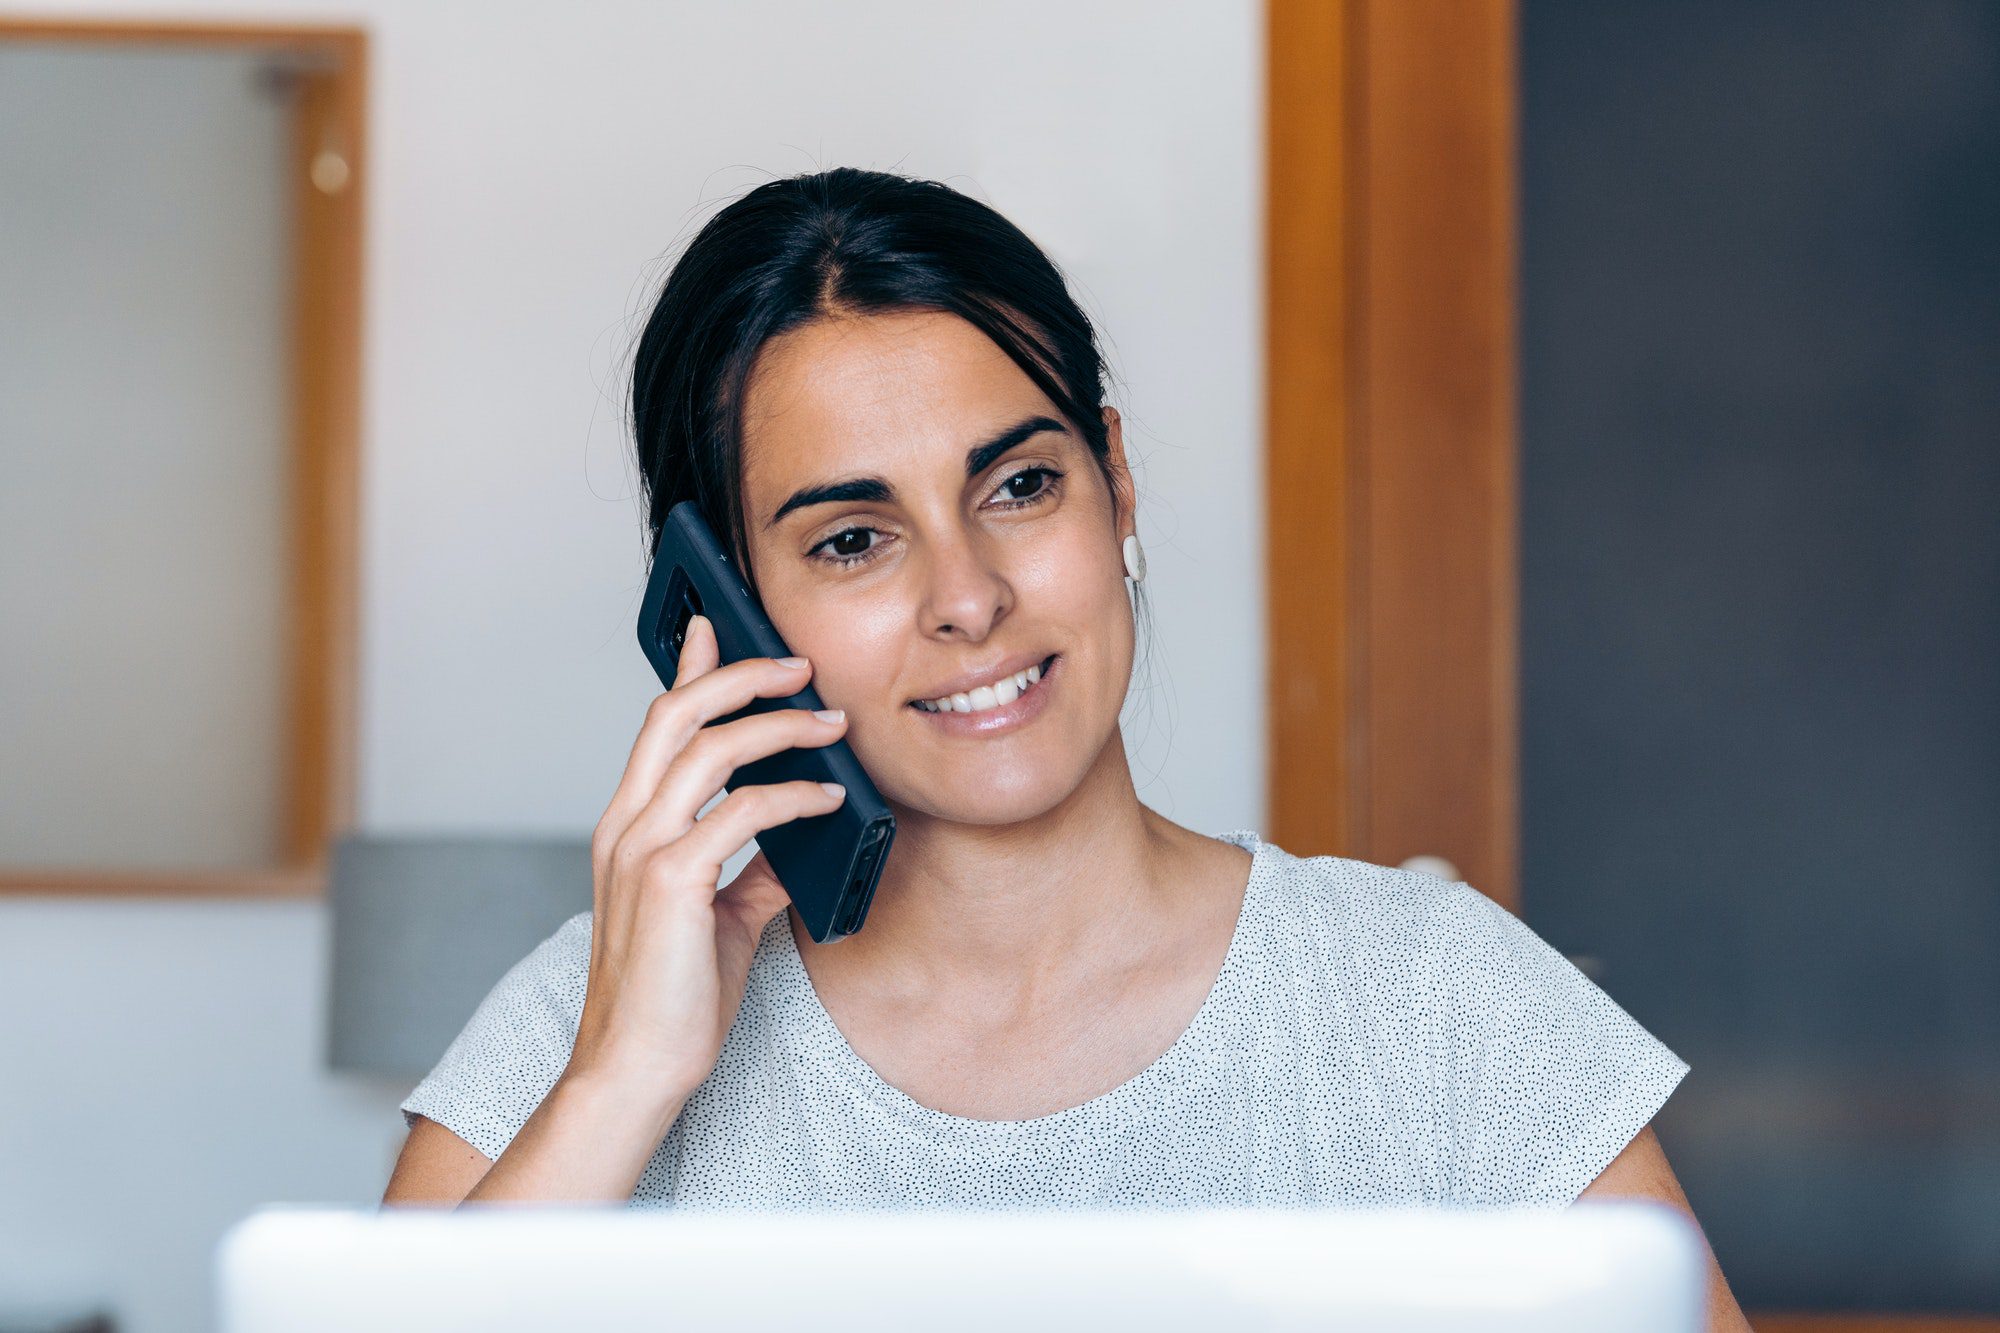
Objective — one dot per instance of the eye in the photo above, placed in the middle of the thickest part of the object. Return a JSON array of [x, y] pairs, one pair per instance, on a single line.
[[851, 547], [1029, 486], [848, 547]]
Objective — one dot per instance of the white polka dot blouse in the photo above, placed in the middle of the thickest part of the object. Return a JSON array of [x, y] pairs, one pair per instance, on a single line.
[[1375, 1037]]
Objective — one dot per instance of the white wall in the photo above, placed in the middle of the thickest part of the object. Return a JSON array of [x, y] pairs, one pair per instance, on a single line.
[[534, 164]]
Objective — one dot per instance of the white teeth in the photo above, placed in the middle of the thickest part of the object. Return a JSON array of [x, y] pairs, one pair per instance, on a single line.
[[1000, 693]]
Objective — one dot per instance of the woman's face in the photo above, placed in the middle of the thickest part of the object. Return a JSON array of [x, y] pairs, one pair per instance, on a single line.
[[920, 520]]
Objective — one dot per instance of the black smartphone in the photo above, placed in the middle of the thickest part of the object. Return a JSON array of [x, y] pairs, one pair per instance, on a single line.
[[829, 863]]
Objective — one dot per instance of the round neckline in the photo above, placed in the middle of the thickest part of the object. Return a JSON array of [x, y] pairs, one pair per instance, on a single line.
[[829, 1035]]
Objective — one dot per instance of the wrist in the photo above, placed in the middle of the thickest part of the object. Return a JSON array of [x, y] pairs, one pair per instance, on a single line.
[[623, 1095]]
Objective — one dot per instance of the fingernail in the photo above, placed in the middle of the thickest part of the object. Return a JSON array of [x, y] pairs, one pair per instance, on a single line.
[[792, 661], [833, 789], [830, 714]]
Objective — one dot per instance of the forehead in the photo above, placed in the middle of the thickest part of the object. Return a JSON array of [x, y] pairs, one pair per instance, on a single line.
[[872, 393]]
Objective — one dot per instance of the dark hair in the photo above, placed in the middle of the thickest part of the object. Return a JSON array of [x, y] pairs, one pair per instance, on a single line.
[[837, 242]]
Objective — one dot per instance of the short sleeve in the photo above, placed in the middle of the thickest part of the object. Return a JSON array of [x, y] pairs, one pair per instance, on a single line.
[[510, 1053], [1546, 1077]]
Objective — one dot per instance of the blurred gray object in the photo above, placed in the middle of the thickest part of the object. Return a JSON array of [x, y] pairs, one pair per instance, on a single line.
[[424, 926], [93, 1322]]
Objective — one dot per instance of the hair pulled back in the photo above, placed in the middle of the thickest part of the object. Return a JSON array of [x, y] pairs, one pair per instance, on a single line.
[[834, 243]]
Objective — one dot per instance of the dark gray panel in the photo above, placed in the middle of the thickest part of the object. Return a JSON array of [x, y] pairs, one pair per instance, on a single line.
[[423, 927], [1761, 606]]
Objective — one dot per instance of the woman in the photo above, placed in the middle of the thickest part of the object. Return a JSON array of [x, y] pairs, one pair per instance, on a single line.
[[884, 396]]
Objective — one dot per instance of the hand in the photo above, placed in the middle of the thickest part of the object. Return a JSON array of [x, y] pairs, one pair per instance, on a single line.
[[669, 954]]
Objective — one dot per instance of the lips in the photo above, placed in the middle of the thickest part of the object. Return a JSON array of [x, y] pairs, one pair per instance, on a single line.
[[1000, 719], [986, 697], [958, 693]]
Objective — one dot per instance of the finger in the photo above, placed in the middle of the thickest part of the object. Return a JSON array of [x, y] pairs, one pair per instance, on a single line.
[[647, 761], [725, 689], [700, 653], [683, 712], [741, 816], [698, 772], [673, 718]]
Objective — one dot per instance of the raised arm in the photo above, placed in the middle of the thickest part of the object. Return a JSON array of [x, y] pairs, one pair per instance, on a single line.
[[588, 1142], [670, 951]]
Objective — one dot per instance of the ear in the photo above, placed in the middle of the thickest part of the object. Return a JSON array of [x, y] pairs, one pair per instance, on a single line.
[[1124, 496]]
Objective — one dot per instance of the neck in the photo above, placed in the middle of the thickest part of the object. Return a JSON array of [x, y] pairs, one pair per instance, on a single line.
[[1005, 907]]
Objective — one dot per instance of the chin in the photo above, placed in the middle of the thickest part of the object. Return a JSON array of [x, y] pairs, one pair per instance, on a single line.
[[986, 811], [971, 796], [995, 813]]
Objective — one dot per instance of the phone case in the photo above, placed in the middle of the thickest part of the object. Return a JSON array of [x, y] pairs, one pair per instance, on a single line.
[[829, 863]]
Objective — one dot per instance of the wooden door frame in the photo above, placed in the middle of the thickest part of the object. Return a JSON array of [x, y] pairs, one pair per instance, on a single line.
[[330, 160], [1390, 465]]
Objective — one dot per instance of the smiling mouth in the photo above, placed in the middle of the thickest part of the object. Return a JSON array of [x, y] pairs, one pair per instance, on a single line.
[[988, 697]]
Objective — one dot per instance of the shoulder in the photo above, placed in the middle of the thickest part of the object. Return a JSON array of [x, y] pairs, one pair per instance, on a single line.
[[1530, 1077], [1430, 949], [1394, 916], [503, 1062]]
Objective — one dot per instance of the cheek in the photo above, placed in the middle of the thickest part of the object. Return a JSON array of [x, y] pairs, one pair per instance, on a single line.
[[853, 648], [1077, 582]]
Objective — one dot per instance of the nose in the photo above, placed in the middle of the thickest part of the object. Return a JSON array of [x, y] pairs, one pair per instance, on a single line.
[[965, 594]]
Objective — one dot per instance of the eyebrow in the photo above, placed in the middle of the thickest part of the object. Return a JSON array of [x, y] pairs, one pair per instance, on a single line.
[[876, 490]]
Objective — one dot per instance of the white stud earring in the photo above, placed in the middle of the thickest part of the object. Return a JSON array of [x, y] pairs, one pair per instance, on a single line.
[[1135, 559]]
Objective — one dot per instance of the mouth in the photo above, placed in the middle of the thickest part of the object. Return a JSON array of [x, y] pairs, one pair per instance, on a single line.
[[1005, 702]]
